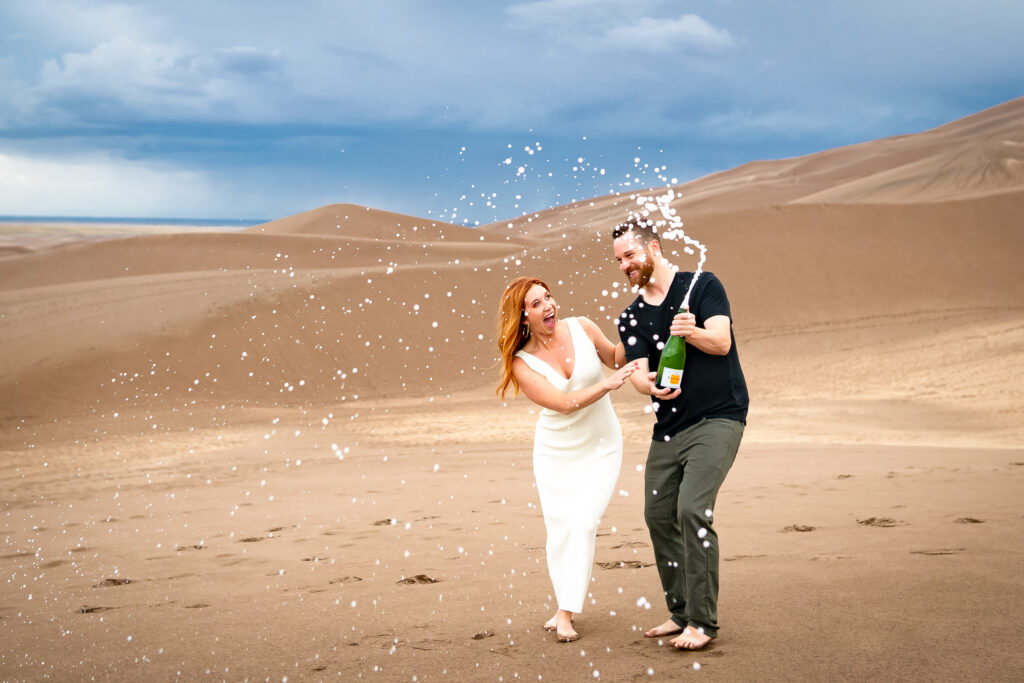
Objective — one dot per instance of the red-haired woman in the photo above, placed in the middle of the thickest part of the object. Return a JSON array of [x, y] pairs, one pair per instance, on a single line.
[[577, 449]]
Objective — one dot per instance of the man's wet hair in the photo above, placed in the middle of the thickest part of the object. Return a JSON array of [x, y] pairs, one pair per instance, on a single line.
[[644, 230]]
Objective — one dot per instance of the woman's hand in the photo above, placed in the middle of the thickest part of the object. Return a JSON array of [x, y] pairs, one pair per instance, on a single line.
[[619, 377]]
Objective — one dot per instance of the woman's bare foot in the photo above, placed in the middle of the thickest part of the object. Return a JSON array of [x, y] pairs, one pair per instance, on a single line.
[[563, 626], [669, 628], [690, 639], [551, 624]]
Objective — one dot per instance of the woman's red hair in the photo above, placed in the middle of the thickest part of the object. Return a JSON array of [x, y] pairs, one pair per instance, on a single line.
[[511, 330]]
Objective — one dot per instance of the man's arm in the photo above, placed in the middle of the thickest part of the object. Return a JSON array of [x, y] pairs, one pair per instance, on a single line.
[[714, 338]]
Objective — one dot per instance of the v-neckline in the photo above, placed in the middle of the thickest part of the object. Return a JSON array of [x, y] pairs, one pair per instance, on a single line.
[[572, 343]]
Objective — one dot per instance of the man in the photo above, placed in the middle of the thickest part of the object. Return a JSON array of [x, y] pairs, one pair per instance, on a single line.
[[698, 428]]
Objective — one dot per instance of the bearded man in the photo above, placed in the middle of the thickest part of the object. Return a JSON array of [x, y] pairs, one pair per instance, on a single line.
[[698, 429]]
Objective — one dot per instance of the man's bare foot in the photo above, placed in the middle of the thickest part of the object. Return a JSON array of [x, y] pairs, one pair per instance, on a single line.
[[667, 629], [690, 639], [563, 626]]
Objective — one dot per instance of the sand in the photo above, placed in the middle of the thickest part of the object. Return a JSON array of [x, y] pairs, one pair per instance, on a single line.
[[277, 453]]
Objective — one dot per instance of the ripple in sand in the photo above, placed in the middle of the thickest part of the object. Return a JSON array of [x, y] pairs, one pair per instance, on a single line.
[[93, 610], [345, 579], [969, 520], [938, 551]]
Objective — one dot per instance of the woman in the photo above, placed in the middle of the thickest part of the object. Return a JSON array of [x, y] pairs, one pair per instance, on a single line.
[[577, 450]]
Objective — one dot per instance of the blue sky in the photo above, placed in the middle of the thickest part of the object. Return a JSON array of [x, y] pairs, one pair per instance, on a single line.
[[462, 110]]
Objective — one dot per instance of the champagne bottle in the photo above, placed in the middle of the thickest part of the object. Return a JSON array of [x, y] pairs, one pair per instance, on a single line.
[[673, 359]]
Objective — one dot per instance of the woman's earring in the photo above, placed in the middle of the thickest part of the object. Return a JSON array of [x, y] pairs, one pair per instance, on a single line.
[[526, 331]]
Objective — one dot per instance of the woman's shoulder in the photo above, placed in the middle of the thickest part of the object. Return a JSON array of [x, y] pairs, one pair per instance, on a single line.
[[583, 321], [587, 325]]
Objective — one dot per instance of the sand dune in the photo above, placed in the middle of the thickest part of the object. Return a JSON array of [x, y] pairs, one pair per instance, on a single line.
[[287, 436]]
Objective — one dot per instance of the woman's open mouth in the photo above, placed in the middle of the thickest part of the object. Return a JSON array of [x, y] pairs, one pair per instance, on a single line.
[[549, 320]]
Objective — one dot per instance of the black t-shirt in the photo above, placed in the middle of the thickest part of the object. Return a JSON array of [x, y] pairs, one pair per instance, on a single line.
[[713, 386]]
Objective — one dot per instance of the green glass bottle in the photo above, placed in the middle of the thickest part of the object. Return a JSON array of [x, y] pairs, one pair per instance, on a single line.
[[673, 360]]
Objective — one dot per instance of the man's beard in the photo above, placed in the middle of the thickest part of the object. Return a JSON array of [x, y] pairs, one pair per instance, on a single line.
[[643, 275]]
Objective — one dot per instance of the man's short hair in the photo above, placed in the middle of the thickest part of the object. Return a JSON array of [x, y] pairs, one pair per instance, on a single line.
[[643, 229]]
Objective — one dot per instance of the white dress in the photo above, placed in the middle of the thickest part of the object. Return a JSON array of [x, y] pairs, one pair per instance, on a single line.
[[576, 462]]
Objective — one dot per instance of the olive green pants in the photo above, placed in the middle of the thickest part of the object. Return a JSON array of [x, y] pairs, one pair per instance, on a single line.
[[681, 483]]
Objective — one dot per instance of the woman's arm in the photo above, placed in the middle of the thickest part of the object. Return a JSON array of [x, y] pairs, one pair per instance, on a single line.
[[540, 391], [612, 355]]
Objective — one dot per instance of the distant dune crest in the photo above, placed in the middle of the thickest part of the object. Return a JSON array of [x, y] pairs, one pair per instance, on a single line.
[[851, 272]]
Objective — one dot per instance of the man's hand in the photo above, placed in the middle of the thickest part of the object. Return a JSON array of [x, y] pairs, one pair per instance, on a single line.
[[683, 324], [658, 392]]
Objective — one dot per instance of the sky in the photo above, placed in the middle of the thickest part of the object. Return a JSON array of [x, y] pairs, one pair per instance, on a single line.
[[461, 110]]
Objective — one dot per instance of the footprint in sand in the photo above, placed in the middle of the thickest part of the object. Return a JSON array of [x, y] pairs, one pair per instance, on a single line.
[[802, 528], [968, 520], [419, 578], [198, 546], [386, 522], [198, 605], [250, 539], [630, 544], [880, 521], [624, 564], [112, 582], [482, 635]]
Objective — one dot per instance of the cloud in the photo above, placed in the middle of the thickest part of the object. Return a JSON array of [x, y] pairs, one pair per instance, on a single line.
[[553, 14], [620, 25], [91, 185], [157, 80], [363, 58], [688, 32]]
